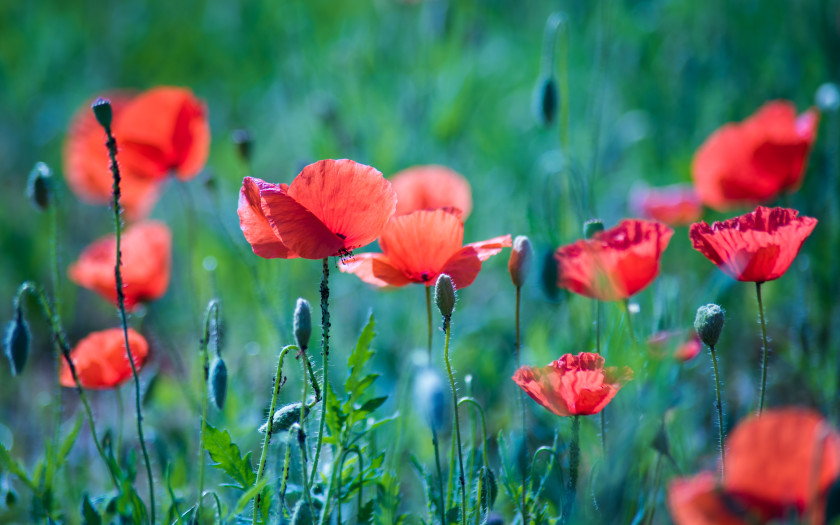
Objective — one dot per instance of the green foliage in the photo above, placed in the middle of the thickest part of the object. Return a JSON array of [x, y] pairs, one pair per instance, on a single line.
[[228, 458]]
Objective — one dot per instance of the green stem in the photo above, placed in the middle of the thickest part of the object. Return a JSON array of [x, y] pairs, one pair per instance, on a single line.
[[120, 412], [301, 438], [441, 508], [656, 479], [359, 498], [115, 170], [574, 465], [429, 319], [626, 304], [602, 415], [56, 284], [521, 395], [764, 350], [213, 306], [472, 401], [719, 407], [278, 382], [461, 478], [325, 352], [326, 510], [285, 478]]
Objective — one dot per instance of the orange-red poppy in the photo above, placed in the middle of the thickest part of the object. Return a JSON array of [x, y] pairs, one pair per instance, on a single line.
[[331, 208], [755, 160], [756, 247], [430, 187], [660, 342], [146, 263], [700, 501], [688, 349], [676, 205], [616, 263], [574, 384], [418, 247], [784, 459], [101, 361]]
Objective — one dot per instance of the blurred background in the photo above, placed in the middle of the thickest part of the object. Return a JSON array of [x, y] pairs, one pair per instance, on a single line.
[[394, 84]]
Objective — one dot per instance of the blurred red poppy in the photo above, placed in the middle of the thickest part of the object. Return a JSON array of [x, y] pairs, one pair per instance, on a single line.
[[616, 263], [660, 342], [574, 384], [430, 187], [101, 361], [331, 208], [676, 205], [146, 262], [418, 247], [689, 349], [700, 501], [755, 160], [756, 247], [161, 130]]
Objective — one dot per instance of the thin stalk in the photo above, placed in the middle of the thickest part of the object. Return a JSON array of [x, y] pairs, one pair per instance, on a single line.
[[120, 412], [602, 415], [56, 285], [656, 479], [574, 464], [719, 407], [626, 304], [440, 476], [284, 480], [115, 170], [275, 389], [429, 319], [521, 395], [325, 352], [472, 401], [213, 306], [450, 477], [359, 498], [461, 478], [301, 438], [326, 510], [763, 350]]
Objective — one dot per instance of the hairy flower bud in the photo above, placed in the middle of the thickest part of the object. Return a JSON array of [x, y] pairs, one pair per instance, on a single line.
[[284, 418], [591, 227], [17, 341], [302, 323], [301, 515], [430, 397], [521, 257], [102, 111], [218, 382], [445, 295], [39, 186], [709, 323]]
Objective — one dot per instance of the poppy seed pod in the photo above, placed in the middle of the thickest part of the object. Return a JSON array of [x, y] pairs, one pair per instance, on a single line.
[[17, 341], [218, 382], [102, 111], [284, 418], [445, 295], [709, 323], [545, 99], [302, 324], [39, 186], [591, 227], [430, 397], [521, 257]]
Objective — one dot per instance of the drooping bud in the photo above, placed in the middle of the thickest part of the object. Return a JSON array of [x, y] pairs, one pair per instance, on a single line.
[[218, 382], [430, 397], [521, 258], [709, 323], [17, 341], [301, 515], [828, 97], [244, 142], [445, 295], [284, 418], [102, 111], [592, 227], [545, 99], [39, 186], [302, 324]]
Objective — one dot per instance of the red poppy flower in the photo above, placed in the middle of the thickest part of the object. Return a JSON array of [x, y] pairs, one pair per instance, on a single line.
[[700, 501], [756, 247], [616, 263], [101, 361], [574, 384], [418, 247], [782, 460], [430, 187], [676, 205], [688, 349], [146, 262], [331, 208], [755, 160]]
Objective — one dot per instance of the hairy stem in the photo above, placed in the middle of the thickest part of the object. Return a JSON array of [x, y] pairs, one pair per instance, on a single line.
[[212, 307], [429, 318], [521, 393], [461, 478], [719, 406], [764, 350], [325, 353], [574, 465]]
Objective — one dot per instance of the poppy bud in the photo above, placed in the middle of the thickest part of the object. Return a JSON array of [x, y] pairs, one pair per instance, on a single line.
[[301, 514], [38, 188], [709, 323], [430, 397], [11, 498], [445, 295], [102, 111], [545, 99], [17, 341], [591, 227], [660, 441], [284, 418], [218, 382], [244, 142], [549, 276], [302, 324], [828, 97], [519, 264]]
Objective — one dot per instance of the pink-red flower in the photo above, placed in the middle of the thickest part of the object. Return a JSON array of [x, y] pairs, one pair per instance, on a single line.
[[676, 205], [418, 247], [756, 247], [331, 208], [687, 348], [146, 264], [616, 263], [755, 160], [574, 384], [101, 361], [430, 187], [701, 501]]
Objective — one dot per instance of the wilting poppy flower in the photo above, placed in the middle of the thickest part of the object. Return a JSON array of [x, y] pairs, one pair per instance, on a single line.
[[676, 205], [574, 384], [755, 160], [756, 247], [101, 361], [430, 187], [418, 247], [146, 262], [331, 208], [616, 263], [700, 501], [782, 459]]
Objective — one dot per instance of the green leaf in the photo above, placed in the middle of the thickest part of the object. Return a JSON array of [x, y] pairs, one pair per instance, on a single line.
[[361, 355], [372, 404], [89, 513], [12, 466], [64, 449], [251, 493], [453, 515], [228, 458]]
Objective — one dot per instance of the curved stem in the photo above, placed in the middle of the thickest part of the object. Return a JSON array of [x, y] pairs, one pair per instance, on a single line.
[[461, 478], [764, 350], [429, 318], [205, 364], [325, 352], [719, 406]]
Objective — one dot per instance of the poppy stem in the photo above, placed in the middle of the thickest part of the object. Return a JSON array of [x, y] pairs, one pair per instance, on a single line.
[[440, 476], [301, 438], [764, 350], [205, 363], [719, 406], [602, 416], [574, 465], [115, 171], [429, 319], [56, 285], [284, 479], [656, 480], [521, 395], [325, 352], [626, 304], [461, 479]]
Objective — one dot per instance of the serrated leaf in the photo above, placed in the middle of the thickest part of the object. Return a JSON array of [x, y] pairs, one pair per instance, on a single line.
[[228, 458], [8, 463], [89, 513], [361, 354], [489, 489], [372, 404]]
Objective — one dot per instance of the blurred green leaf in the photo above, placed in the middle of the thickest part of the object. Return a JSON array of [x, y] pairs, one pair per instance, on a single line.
[[228, 458]]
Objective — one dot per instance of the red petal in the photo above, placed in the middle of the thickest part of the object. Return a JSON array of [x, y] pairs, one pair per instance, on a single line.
[[101, 360], [699, 501], [254, 224], [430, 187], [463, 267], [491, 247], [375, 269]]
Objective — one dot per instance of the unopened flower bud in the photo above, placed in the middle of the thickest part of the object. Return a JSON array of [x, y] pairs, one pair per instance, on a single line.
[[103, 112], [521, 257], [17, 341], [591, 227], [445, 295], [302, 323], [284, 418], [301, 515], [218, 382], [709, 323], [545, 99], [244, 142], [430, 397], [660, 441], [39, 186], [11, 498], [549, 276]]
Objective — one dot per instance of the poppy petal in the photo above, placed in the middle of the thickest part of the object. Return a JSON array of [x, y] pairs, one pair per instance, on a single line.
[[375, 269], [420, 244], [699, 501], [490, 247], [463, 267], [430, 187], [255, 225]]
